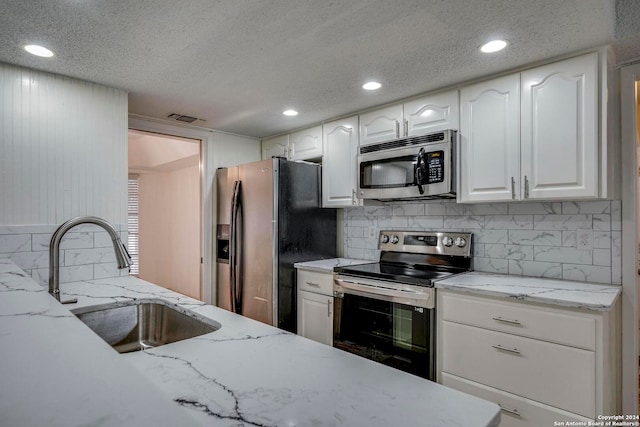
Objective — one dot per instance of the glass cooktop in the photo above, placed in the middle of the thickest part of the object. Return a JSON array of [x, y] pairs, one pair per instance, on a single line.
[[396, 273]]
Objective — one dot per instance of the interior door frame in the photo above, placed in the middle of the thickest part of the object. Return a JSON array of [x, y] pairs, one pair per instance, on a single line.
[[630, 74], [206, 170]]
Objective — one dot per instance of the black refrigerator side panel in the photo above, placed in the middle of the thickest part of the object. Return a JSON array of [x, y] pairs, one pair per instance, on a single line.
[[305, 231]]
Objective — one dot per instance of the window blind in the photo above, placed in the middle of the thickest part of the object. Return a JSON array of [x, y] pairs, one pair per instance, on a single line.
[[133, 241]]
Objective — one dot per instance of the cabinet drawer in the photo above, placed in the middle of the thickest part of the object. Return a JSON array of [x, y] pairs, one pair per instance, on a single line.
[[313, 281], [543, 323], [553, 374], [516, 411]]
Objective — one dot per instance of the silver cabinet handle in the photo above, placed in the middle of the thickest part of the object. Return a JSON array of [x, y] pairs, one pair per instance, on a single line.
[[397, 129], [328, 308], [513, 188], [526, 187], [513, 412], [314, 284], [354, 197], [507, 349], [406, 127], [510, 321]]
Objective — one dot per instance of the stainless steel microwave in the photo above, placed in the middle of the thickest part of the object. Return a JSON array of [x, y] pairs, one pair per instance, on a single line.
[[421, 167]]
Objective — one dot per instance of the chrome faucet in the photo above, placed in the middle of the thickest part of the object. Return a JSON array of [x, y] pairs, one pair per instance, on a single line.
[[122, 256]]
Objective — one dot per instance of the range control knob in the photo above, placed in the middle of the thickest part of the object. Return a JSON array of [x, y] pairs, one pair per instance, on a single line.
[[447, 241], [394, 239], [461, 242], [384, 239]]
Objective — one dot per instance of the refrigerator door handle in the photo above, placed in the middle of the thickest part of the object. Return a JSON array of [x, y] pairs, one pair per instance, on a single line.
[[233, 245], [239, 264]]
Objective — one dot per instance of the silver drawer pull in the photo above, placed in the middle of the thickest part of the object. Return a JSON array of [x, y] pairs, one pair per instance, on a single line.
[[507, 349], [510, 321], [314, 284], [513, 412]]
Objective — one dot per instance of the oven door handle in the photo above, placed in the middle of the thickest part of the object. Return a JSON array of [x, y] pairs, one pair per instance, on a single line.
[[425, 298]]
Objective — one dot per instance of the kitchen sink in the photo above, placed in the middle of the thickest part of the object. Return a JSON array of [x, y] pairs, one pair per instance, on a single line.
[[143, 324]]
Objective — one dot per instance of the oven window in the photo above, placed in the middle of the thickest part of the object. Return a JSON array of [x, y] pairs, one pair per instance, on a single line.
[[388, 173], [394, 334]]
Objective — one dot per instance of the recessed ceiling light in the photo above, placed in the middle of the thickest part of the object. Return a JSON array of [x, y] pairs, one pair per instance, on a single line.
[[34, 49], [290, 112], [371, 86], [493, 46]]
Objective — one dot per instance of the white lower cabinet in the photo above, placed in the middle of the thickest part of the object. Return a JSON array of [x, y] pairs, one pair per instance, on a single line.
[[539, 363], [315, 306], [516, 411]]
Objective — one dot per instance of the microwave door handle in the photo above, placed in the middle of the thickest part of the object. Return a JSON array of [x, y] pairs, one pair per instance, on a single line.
[[420, 170]]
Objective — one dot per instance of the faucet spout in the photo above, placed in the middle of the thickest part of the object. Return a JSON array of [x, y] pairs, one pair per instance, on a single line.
[[122, 256]]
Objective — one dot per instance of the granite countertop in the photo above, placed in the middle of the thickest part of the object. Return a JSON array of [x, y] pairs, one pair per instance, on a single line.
[[565, 293], [57, 372], [326, 265]]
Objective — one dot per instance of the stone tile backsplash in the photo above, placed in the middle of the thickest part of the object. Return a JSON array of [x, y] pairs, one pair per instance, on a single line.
[[86, 251], [526, 239]]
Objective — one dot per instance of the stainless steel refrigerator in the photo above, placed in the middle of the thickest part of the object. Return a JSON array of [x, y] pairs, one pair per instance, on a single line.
[[269, 217]]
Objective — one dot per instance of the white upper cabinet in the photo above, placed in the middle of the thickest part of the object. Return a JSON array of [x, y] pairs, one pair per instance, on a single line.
[[413, 118], [536, 135], [275, 147], [560, 129], [306, 144], [381, 125], [490, 140], [431, 114], [339, 166]]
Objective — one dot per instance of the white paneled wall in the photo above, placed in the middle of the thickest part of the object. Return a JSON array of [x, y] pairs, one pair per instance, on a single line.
[[526, 239], [63, 148]]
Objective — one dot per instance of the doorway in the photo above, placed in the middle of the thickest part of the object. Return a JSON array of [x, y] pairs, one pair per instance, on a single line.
[[165, 171]]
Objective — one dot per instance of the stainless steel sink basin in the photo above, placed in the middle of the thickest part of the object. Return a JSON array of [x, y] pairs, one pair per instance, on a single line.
[[143, 324]]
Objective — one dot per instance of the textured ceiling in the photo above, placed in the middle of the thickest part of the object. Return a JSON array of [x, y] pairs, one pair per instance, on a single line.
[[239, 63]]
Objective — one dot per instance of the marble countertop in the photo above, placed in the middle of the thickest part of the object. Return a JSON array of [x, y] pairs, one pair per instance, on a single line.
[[326, 265], [587, 296], [56, 372]]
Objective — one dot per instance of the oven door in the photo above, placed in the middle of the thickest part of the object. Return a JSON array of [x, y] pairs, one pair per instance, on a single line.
[[389, 326], [421, 171]]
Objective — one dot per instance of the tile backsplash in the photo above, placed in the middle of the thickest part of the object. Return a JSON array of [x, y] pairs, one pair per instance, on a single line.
[[525, 239], [86, 251]]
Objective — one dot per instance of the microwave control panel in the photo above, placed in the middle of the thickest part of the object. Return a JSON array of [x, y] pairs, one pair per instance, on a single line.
[[435, 165]]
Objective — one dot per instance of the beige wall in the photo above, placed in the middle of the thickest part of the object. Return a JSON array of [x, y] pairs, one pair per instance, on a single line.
[[170, 229]]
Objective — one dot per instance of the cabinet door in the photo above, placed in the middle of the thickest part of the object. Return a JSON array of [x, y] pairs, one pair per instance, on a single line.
[[381, 125], [432, 113], [489, 167], [315, 317], [560, 129], [275, 147], [306, 144], [339, 175]]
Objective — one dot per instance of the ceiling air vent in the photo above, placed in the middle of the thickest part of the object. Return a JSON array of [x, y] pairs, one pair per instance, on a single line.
[[182, 118]]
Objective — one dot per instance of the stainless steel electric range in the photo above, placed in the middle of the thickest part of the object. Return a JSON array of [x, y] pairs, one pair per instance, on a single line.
[[385, 311]]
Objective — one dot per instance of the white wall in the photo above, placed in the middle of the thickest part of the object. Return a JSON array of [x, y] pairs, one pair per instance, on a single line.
[[63, 148], [170, 235], [63, 153]]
